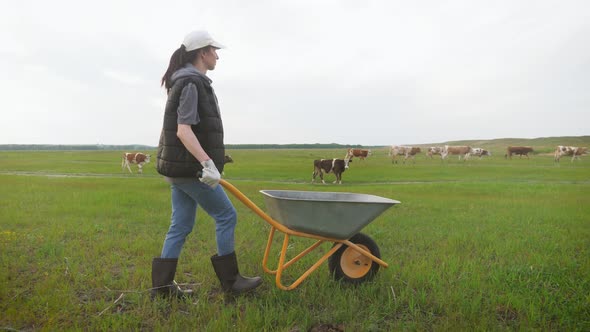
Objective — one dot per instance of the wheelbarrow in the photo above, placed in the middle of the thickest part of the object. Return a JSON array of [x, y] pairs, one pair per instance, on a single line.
[[326, 217]]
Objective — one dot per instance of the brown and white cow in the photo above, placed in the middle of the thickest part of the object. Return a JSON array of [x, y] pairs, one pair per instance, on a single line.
[[336, 166], [406, 151], [360, 153], [573, 151], [479, 152], [396, 150], [518, 150], [134, 158], [434, 150], [463, 151]]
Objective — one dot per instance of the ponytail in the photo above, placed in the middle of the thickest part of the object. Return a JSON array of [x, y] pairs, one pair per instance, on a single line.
[[179, 58]]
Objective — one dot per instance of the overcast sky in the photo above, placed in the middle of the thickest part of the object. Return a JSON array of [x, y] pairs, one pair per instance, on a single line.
[[306, 71]]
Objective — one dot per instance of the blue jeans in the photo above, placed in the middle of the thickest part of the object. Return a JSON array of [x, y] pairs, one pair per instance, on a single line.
[[186, 197]]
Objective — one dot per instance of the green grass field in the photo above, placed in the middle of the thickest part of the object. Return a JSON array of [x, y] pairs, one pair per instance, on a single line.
[[489, 244]]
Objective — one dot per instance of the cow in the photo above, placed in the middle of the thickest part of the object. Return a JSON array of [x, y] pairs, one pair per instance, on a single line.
[[411, 153], [460, 150], [396, 150], [336, 166], [134, 158], [406, 151], [519, 150], [479, 152], [360, 153], [573, 151], [434, 150]]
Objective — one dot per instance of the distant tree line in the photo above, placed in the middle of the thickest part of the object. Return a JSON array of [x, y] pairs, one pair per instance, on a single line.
[[290, 146], [134, 147]]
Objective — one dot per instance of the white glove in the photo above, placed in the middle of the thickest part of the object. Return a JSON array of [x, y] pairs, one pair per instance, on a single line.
[[211, 175]]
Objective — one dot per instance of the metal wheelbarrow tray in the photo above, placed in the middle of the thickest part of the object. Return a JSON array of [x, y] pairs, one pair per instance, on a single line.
[[329, 214], [325, 217]]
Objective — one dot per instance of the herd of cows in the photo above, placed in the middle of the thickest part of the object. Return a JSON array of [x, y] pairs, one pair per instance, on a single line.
[[338, 166]]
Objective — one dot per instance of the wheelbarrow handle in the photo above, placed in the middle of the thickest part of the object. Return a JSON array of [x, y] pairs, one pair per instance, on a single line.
[[239, 195]]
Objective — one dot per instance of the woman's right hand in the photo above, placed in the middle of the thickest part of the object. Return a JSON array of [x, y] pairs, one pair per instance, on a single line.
[[210, 174]]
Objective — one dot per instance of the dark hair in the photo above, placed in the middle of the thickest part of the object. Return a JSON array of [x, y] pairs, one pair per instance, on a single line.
[[179, 58]]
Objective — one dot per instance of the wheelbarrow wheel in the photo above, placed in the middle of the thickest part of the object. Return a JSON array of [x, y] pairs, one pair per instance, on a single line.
[[348, 265]]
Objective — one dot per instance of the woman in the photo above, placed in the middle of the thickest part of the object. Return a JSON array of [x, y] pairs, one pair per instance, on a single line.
[[191, 156]]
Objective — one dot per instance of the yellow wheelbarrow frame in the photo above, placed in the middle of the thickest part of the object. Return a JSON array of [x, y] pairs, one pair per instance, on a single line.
[[282, 265]]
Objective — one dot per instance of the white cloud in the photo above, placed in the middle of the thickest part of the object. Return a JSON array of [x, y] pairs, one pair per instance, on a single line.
[[123, 77]]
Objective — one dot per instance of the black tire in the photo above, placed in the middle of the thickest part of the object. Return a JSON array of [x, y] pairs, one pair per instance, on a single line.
[[350, 266]]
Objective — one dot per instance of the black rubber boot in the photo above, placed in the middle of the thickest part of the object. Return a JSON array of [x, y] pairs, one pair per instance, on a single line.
[[163, 284], [226, 268]]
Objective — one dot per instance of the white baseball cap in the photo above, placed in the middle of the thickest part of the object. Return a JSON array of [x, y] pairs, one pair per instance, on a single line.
[[199, 39]]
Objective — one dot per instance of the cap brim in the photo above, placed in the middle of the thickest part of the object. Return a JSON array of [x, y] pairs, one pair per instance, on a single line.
[[217, 45]]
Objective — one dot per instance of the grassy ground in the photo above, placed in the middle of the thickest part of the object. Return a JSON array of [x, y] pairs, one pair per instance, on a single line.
[[486, 244]]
